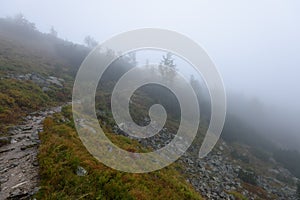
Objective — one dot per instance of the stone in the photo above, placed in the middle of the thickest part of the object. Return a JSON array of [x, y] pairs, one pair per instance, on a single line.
[[227, 187], [17, 194], [35, 190], [81, 171], [26, 128], [13, 141], [54, 80], [3, 179], [5, 141], [45, 89], [35, 163]]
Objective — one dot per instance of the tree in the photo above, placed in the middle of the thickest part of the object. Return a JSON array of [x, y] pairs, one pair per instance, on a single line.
[[53, 32], [90, 42], [167, 67], [194, 83], [21, 20], [248, 176], [132, 58]]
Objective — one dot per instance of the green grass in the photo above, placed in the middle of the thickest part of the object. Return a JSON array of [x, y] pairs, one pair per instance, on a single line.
[[61, 152], [238, 196], [18, 98]]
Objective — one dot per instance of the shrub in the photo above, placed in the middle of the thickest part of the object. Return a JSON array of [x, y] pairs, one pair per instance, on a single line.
[[241, 157], [248, 177]]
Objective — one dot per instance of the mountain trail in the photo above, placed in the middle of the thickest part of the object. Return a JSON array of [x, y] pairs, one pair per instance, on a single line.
[[19, 169]]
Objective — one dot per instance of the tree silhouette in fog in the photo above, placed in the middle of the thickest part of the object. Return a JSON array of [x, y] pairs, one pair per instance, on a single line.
[[90, 42], [167, 67]]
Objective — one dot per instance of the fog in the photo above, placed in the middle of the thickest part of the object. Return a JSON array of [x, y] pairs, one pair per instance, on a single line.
[[254, 44]]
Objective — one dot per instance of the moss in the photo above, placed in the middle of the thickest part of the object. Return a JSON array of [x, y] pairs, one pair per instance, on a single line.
[[238, 195]]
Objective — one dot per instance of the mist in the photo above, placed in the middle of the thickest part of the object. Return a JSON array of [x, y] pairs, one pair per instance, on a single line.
[[254, 44]]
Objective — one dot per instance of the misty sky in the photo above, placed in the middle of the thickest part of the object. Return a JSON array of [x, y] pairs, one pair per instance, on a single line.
[[255, 44]]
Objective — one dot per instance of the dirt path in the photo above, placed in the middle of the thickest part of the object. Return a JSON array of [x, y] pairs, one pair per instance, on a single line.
[[18, 160]]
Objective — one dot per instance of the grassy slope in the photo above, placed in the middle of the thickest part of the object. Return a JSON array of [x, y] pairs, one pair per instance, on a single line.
[[61, 152], [23, 50], [17, 98]]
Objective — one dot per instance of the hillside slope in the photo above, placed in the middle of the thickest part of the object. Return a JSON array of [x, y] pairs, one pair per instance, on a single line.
[[37, 71]]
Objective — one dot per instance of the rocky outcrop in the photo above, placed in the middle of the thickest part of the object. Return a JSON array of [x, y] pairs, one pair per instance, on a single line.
[[43, 81]]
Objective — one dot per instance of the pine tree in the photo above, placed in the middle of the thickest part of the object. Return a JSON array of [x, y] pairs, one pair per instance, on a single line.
[[167, 67], [90, 42], [53, 32]]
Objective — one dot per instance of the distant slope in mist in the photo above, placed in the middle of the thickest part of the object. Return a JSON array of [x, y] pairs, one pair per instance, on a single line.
[[25, 49]]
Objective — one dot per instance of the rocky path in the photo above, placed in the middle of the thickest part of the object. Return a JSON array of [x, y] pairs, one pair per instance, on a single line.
[[18, 159]]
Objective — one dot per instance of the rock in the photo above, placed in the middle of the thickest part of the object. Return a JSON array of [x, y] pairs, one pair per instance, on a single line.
[[13, 165], [4, 141], [221, 148], [26, 128], [38, 79], [17, 194], [6, 150], [24, 147], [35, 190], [35, 163], [3, 179], [45, 89], [55, 81], [13, 141], [81, 171]]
